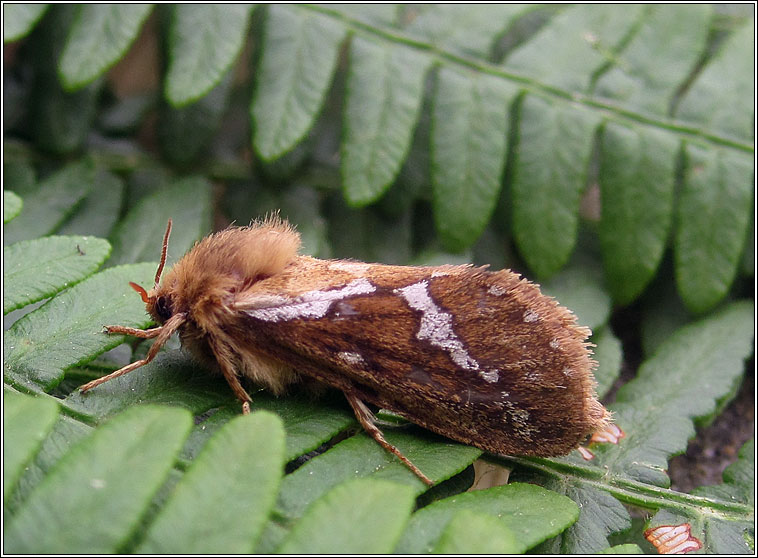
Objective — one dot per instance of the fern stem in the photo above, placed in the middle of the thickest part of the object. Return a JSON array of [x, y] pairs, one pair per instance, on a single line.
[[638, 493]]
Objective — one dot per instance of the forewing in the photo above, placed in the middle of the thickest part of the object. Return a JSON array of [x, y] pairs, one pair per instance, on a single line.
[[480, 357]]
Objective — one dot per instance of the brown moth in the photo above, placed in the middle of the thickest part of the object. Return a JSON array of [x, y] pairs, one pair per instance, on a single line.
[[481, 357]]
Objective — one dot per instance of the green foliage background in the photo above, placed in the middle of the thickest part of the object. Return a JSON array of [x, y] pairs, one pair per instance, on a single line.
[[606, 151]]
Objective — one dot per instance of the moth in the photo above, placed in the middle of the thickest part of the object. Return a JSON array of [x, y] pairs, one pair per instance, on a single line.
[[480, 357]]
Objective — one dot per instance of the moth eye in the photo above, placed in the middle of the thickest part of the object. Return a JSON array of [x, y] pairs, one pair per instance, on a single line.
[[162, 307]]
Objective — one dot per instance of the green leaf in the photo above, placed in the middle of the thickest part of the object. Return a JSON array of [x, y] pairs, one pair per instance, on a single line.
[[580, 39], [65, 434], [360, 456], [739, 479], [463, 29], [649, 70], [37, 269], [530, 512], [549, 175], [689, 373], [222, 502], [721, 534], [172, 378], [67, 330], [99, 211], [637, 189], [184, 132], [298, 61], [205, 40], [609, 355], [93, 500], [138, 236], [100, 36], [717, 535], [298, 204], [64, 119], [51, 202], [376, 15], [385, 89], [12, 205], [127, 114], [469, 131], [367, 235], [302, 206], [362, 516], [712, 223], [721, 97], [579, 287], [20, 19], [308, 423], [20, 177], [600, 514], [663, 313], [728, 537], [26, 423], [470, 532], [414, 179], [61, 120]]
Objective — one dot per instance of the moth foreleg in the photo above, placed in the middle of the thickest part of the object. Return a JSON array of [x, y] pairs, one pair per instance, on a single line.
[[134, 332], [367, 420], [120, 372], [161, 333]]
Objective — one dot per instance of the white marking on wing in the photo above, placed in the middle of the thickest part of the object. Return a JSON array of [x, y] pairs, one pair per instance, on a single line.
[[436, 325], [496, 290], [354, 359], [437, 328], [531, 316], [312, 304]]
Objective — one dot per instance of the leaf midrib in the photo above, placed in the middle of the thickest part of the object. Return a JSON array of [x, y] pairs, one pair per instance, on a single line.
[[640, 493], [691, 133]]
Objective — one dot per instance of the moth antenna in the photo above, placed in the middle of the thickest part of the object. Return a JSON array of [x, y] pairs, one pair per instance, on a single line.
[[164, 251], [141, 292]]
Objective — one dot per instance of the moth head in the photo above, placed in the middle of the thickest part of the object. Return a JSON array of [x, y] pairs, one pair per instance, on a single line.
[[158, 301]]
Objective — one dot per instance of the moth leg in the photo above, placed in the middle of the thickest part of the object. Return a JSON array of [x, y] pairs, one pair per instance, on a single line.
[[141, 333], [225, 359], [161, 333], [367, 419]]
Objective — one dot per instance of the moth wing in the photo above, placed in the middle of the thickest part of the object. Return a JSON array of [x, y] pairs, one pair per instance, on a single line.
[[481, 357]]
